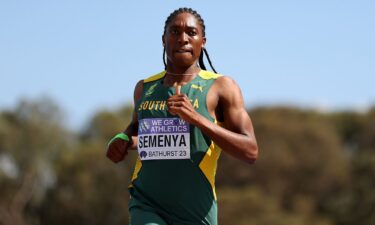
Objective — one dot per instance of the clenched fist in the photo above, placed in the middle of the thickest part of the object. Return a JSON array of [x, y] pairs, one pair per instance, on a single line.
[[117, 150]]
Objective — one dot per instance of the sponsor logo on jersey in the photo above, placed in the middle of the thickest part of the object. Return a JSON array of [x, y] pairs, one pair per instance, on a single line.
[[199, 87], [151, 89], [143, 154]]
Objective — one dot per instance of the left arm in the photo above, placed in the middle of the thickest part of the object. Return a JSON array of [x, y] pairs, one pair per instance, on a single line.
[[236, 137]]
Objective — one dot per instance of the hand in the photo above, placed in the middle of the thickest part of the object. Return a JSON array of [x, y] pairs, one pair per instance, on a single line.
[[117, 150], [179, 104]]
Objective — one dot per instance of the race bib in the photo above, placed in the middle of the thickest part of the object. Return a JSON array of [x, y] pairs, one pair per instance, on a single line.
[[163, 138]]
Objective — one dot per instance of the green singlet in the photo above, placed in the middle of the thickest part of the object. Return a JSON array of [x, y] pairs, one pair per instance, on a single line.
[[174, 177]]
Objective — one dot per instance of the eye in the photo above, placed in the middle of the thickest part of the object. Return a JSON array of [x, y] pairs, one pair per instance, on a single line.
[[192, 33], [173, 31]]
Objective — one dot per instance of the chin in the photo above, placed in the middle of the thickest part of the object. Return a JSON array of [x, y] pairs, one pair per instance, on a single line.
[[183, 62]]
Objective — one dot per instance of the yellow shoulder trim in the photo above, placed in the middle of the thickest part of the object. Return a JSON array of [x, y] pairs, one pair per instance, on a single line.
[[154, 77], [207, 75]]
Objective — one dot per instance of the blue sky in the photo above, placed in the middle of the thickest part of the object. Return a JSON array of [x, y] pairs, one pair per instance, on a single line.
[[88, 55]]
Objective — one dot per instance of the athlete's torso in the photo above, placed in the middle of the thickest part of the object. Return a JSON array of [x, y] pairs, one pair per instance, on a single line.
[[174, 174]]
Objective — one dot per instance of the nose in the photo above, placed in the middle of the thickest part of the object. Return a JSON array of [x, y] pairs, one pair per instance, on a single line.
[[183, 38]]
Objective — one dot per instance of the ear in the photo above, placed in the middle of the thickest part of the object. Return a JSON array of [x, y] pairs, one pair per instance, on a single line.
[[203, 42], [162, 39]]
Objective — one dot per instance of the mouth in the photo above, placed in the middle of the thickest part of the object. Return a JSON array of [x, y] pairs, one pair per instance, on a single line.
[[184, 50]]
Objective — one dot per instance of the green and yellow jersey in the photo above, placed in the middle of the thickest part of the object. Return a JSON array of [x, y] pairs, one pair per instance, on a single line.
[[174, 174]]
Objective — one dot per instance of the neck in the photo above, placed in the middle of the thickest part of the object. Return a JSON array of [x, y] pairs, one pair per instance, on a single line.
[[180, 70], [180, 76]]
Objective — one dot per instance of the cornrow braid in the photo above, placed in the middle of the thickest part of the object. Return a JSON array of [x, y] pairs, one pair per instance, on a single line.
[[165, 64], [201, 22], [185, 10]]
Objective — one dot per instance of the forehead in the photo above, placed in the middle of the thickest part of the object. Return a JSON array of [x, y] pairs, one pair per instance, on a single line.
[[184, 19]]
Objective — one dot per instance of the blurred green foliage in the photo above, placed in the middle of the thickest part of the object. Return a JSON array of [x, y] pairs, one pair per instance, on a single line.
[[314, 168]]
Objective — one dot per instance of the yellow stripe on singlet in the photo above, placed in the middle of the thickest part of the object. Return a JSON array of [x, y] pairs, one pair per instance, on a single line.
[[137, 168], [208, 164]]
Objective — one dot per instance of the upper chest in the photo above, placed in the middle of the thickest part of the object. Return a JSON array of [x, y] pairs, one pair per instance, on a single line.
[[155, 95]]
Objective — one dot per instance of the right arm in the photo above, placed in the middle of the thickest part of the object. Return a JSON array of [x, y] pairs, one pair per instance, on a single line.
[[118, 149]]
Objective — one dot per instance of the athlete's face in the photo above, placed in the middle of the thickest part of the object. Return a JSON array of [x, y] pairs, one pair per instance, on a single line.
[[183, 40]]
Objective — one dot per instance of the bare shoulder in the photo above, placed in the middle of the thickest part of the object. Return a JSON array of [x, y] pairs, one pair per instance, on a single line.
[[225, 80], [138, 90], [228, 89]]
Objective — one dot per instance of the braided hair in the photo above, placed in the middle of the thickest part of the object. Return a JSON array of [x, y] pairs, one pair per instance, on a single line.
[[201, 22]]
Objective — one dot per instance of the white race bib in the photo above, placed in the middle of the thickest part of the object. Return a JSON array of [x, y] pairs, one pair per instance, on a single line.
[[163, 138]]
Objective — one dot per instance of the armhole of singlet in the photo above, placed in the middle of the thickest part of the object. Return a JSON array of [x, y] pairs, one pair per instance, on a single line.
[[207, 75], [146, 82]]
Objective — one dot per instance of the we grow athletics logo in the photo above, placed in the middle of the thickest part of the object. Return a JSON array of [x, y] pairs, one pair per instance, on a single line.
[[143, 154], [163, 138]]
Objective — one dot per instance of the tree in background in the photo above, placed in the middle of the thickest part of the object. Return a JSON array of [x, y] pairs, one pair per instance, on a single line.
[[30, 137], [314, 169], [301, 159], [355, 203], [91, 189]]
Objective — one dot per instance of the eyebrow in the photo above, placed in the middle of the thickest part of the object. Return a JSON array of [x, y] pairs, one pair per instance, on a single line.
[[177, 26]]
